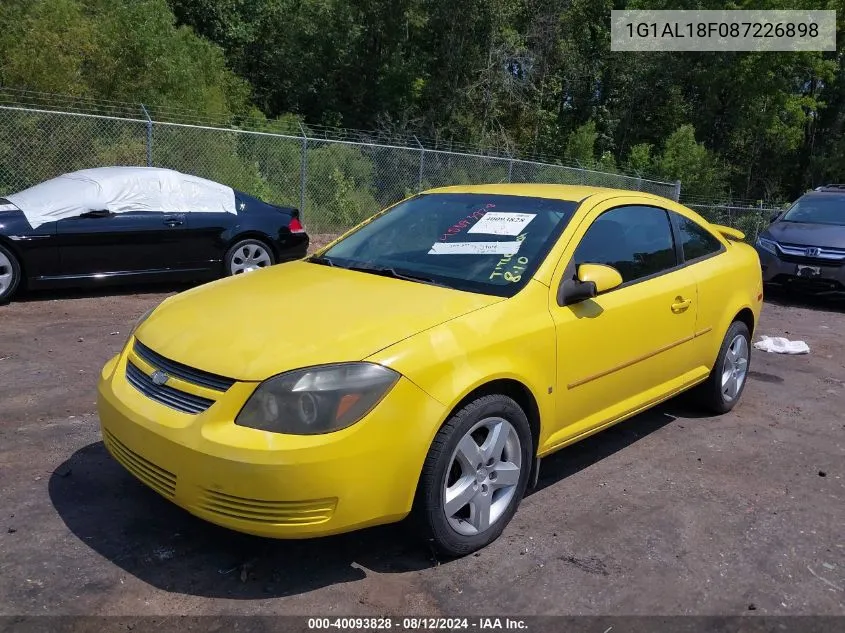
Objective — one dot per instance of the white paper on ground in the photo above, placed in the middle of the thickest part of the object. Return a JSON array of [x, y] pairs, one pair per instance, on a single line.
[[780, 345], [475, 248], [121, 190], [500, 223]]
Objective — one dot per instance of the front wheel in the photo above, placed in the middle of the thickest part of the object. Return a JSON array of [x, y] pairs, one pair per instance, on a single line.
[[474, 476], [722, 390], [10, 275], [248, 255]]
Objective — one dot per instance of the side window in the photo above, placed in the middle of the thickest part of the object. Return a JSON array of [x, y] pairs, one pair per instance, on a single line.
[[637, 241], [695, 239]]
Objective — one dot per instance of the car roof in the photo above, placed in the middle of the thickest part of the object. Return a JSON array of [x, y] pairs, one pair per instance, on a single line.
[[573, 193]]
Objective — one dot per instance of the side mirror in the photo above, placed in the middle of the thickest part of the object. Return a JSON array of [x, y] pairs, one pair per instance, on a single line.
[[604, 277], [591, 280]]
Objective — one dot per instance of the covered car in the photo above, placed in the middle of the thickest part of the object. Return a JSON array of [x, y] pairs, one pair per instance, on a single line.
[[120, 224]]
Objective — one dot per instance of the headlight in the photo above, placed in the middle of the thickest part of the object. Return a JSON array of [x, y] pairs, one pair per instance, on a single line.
[[768, 245], [141, 320], [317, 399]]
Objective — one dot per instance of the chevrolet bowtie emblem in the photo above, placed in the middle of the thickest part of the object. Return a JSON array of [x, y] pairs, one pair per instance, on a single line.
[[159, 377]]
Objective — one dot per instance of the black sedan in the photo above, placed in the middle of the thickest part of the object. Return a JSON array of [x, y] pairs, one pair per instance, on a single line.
[[136, 224]]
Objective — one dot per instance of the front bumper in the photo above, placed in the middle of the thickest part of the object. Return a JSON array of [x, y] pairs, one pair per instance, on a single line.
[[827, 279], [268, 484]]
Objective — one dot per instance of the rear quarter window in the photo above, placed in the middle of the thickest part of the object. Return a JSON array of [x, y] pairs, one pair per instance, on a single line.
[[696, 241]]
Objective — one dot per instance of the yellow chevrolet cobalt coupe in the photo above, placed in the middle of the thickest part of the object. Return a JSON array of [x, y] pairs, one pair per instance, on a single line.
[[423, 363]]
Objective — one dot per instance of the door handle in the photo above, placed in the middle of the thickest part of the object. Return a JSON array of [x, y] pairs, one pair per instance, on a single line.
[[681, 304], [173, 222]]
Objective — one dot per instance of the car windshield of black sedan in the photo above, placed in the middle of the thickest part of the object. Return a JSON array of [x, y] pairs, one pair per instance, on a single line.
[[483, 243], [818, 209]]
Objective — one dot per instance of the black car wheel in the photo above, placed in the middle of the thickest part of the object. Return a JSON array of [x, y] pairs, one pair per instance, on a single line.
[[248, 255], [474, 476], [10, 274]]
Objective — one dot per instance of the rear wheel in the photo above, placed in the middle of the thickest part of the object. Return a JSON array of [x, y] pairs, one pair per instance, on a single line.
[[722, 390], [248, 255], [474, 476], [10, 274]]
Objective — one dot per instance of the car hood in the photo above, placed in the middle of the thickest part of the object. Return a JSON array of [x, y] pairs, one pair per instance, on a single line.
[[298, 314], [825, 235]]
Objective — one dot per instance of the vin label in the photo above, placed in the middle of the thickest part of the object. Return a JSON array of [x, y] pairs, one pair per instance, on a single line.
[[725, 30]]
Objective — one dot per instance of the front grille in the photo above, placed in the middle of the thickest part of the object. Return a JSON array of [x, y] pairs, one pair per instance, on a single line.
[[268, 512], [159, 479], [183, 372], [811, 261], [796, 254], [173, 398]]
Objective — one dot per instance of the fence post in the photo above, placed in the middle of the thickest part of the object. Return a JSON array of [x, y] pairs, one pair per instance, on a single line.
[[422, 163], [149, 136], [303, 170], [677, 193], [758, 222], [510, 169], [639, 183]]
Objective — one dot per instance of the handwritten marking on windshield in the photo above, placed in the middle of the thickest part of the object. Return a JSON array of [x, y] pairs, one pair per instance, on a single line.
[[460, 225], [475, 248], [511, 273]]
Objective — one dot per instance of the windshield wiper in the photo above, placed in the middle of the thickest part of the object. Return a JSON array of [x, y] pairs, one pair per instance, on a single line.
[[323, 261], [386, 271]]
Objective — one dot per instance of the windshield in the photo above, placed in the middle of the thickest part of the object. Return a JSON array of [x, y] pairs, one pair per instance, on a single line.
[[818, 209], [483, 243]]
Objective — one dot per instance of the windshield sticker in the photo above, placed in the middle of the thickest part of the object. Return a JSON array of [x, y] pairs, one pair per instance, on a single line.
[[498, 223], [475, 248], [469, 220]]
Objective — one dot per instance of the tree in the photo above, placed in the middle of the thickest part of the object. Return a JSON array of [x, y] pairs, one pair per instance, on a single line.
[[582, 143], [690, 162]]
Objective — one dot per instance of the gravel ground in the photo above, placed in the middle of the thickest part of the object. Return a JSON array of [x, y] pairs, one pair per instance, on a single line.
[[668, 513]]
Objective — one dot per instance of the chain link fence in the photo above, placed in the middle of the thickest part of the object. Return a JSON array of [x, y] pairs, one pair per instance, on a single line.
[[334, 181], [750, 217]]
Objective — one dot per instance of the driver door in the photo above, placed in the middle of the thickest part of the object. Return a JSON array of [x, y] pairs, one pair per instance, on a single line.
[[101, 242], [625, 349]]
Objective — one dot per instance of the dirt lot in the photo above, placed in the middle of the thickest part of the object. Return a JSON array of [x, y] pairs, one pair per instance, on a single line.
[[669, 513]]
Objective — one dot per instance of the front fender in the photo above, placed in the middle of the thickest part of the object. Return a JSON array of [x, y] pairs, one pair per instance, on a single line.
[[509, 340]]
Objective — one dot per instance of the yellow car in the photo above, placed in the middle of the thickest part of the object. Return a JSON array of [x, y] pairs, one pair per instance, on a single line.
[[424, 362]]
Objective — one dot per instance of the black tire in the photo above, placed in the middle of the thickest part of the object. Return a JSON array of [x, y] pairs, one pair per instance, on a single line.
[[429, 516], [237, 250], [710, 394], [13, 268]]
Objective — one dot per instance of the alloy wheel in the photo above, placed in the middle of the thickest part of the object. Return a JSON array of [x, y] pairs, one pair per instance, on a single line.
[[482, 477], [6, 273], [735, 368], [249, 257]]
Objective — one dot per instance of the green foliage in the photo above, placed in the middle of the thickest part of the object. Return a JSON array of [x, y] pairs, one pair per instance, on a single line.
[[690, 162], [115, 49], [581, 145], [537, 75], [640, 159], [339, 191]]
